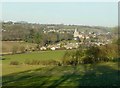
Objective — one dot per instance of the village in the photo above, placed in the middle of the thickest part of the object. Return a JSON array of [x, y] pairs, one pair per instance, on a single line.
[[53, 44], [79, 38]]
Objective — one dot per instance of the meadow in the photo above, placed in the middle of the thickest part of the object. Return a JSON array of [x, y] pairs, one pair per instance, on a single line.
[[22, 58], [37, 55], [100, 74]]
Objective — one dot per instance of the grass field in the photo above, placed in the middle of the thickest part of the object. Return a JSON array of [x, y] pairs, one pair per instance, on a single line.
[[21, 58], [37, 55], [102, 74]]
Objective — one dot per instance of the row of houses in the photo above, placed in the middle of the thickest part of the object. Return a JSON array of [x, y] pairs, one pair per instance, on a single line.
[[57, 31], [58, 46], [71, 45]]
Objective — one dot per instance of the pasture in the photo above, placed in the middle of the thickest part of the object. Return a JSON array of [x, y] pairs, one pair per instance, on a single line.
[[37, 55], [21, 58], [101, 74]]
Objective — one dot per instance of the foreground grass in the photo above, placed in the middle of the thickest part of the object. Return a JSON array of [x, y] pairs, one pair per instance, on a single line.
[[102, 74], [10, 69]]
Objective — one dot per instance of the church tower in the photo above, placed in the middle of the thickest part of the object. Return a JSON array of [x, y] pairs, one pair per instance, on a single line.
[[76, 34]]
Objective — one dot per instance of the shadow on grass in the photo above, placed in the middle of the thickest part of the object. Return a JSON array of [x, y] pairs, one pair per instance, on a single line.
[[93, 75], [100, 76]]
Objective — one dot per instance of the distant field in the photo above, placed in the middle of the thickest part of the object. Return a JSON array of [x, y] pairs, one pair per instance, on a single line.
[[37, 55], [8, 45]]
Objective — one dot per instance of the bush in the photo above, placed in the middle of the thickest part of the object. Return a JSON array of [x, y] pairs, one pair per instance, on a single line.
[[71, 58], [92, 54], [14, 49], [2, 58], [109, 52], [89, 60], [38, 62], [67, 58], [14, 63], [22, 49], [33, 62]]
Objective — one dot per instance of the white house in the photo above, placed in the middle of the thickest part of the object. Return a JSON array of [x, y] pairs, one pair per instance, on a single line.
[[43, 48], [52, 48]]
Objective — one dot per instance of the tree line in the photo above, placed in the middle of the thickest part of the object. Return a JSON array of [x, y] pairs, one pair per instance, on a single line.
[[48, 38], [92, 54], [32, 33]]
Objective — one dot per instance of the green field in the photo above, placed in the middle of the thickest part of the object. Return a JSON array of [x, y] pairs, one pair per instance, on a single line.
[[37, 55], [104, 74], [21, 58]]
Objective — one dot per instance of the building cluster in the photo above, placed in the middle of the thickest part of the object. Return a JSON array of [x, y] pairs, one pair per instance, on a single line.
[[60, 46], [78, 36], [61, 31]]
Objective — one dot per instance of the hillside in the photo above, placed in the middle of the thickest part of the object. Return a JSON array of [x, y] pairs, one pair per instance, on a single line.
[[17, 31]]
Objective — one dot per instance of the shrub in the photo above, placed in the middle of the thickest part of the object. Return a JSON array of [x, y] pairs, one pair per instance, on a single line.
[[33, 62], [67, 58], [51, 62], [14, 49], [14, 63], [38, 62], [2, 58], [93, 52], [109, 52], [27, 62], [71, 58], [22, 49], [89, 60]]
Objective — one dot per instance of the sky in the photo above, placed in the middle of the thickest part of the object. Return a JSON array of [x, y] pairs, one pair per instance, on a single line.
[[82, 13]]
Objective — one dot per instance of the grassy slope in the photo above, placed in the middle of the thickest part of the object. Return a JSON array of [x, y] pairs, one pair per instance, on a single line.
[[83, 75]]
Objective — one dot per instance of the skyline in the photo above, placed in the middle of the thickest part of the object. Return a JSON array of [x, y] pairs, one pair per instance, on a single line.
[[81, 13]]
